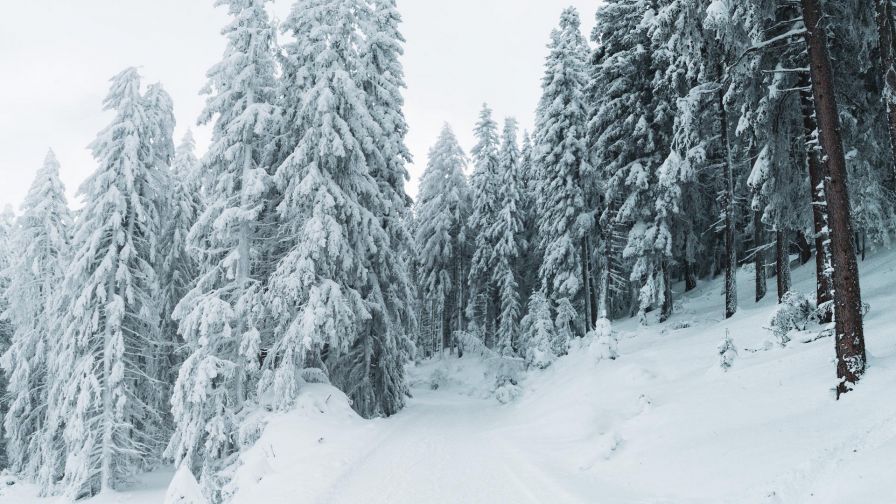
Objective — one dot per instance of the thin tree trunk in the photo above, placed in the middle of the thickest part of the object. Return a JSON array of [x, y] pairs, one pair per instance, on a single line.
[[887, 38], [823, 292], [666, 310], [690, 276], [759, 256], [730, 260], [782, 263], [849, 333], [586, 282], [803, 245]]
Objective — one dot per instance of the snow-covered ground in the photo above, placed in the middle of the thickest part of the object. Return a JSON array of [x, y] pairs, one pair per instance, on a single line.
[[661, 424]]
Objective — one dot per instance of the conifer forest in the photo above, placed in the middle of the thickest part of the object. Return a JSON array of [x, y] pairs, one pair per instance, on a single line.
[[647, 291]]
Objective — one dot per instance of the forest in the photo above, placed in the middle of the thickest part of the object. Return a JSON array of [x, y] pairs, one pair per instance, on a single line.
[[679, 142]]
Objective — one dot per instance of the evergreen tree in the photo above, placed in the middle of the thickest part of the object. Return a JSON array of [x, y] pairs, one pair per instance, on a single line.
[[7, 219], [218, 317], [564, 221], [629, 133], [339, 295], [41, 241], [849, 332], [506, 232], [485, 186], [442, 248], [110, 322]]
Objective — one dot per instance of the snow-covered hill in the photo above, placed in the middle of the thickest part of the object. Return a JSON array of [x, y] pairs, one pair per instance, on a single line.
[[660, 424]]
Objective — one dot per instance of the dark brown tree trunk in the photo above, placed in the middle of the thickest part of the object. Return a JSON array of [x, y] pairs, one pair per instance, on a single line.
[[587, 298], [782, 263], [690, 276], [730, 260], [887, 37], [805, 249], [759, 256], [823, 292], [666, 310], [849, 333]]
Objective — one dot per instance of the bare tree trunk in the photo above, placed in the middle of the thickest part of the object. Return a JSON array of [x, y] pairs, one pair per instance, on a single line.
[[759, 256], [802, 243], [586, 283], [690, 276], [823, 292], [782, 263], [887, 36], [666, 310], [849, 333], [730, 260]]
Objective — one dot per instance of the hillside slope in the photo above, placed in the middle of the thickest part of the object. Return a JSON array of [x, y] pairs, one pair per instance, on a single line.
[[660, 424]]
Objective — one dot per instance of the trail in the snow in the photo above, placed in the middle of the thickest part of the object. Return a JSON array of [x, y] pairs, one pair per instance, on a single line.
[[444, 449]]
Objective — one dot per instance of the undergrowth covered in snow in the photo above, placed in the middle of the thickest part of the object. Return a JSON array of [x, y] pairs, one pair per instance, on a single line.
[[634, 413]]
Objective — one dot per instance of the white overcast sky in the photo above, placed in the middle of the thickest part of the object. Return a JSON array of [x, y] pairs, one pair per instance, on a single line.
[[56, 57]]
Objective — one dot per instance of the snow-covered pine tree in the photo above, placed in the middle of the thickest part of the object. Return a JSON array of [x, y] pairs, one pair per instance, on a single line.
[[538, 332], [336, 295], [389, 335], [530, 259], [485, 186], [178, 269], [508, 247], [218, 316], [110, 319], [629, 134], [7, 220], [564, 220], [183, 205], [442, 249], [41, 241]]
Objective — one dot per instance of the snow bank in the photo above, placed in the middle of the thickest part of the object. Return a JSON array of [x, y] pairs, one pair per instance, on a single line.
[[184, 489], [302, 452]]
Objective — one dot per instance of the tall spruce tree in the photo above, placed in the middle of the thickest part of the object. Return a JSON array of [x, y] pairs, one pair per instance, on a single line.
[[485, 185], [7, 220], [339, 296], [564, 221], [442, 246], [218, 317], [507, 233], [110, 323], [41, 241]]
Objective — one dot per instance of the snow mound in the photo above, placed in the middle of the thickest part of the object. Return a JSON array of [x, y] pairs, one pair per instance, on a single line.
[[184, 489], [321, 425]]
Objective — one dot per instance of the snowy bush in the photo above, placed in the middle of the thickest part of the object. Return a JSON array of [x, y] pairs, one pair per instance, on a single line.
[[507, 392], [604, 342], [794, 313], [727, 352], [506, 371], [438, 378], [184, 489], [315, 375], [538, 332]]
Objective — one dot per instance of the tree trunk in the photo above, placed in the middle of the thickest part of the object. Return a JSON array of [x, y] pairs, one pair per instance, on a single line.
[[759, 256], [782, 263], [666, 310], [690, 276], [849, 334], [730, 260], [586, 283], [803, 245], [823, 292], [887, 38]]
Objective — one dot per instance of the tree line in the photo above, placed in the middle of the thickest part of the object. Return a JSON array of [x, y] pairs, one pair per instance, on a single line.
[[689, 139], [692, 138]]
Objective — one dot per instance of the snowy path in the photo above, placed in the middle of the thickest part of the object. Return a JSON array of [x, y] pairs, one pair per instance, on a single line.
[[444, 448]]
